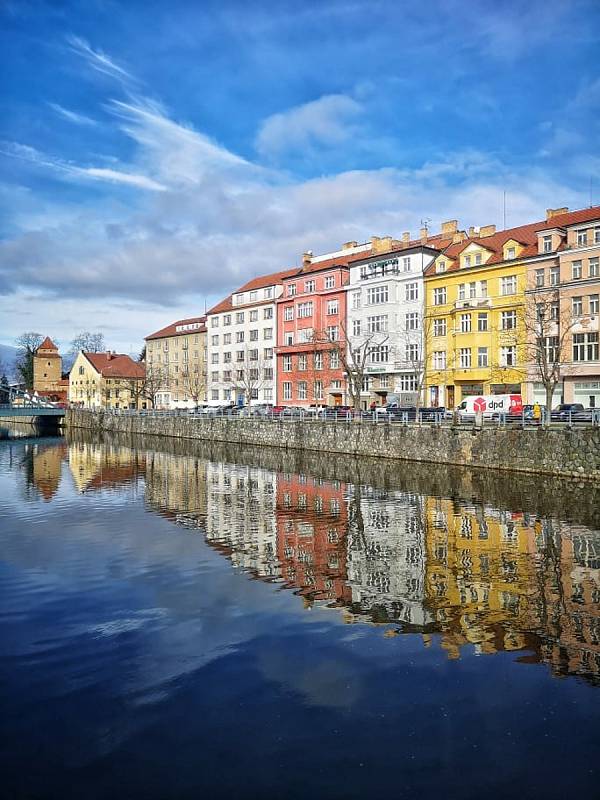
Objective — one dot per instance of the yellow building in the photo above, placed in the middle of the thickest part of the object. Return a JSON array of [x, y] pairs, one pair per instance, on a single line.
[[107, 380], [176, 364], [474, 331]]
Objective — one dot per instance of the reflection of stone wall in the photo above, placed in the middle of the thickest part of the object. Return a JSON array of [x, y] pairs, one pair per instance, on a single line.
[[561, 452]]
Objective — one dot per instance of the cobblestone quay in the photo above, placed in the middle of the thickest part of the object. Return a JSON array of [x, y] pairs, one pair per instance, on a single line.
[[571, 452]]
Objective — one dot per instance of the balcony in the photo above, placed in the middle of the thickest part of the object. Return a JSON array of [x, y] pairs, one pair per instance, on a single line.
[[474, 302]]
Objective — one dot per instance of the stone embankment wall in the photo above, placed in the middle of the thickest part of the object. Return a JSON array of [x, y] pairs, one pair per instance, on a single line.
[[574, 453]]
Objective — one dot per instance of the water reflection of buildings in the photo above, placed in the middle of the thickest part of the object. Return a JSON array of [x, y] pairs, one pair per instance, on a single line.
[[94, 466], [240, 519], [176, 487], [386, 555], [46, 468], [312, 522]]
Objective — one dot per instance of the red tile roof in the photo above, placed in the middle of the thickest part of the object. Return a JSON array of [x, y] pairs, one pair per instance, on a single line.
[[524, 234], [48, 344], [255, 283], [171, 330], [116, 365]]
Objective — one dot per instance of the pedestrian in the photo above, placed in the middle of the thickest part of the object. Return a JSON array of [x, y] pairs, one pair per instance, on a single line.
[[537, 412]]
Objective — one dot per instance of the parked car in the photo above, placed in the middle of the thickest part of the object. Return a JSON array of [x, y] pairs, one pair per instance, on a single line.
[[335, 412], [571, 411]]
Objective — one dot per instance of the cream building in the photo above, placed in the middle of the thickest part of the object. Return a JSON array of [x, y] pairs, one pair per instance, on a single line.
[[107, 380], [176, 364]]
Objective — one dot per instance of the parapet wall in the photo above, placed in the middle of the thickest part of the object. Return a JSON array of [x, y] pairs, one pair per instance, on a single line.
[[574, 453]]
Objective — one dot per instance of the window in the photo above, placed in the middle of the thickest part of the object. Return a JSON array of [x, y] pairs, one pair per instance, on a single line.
[[554, 276], [334, 359], [406, 264], [508, 285], [377, 295], [465, 323], [288, 313], [239, 336], [547, 244], [268, 313], [227, 357], [254, 335], [214, 358], [408, 382], [227, 319], [268, 353], [239, 317], [483, 288], [440, 267], [462, 287], [377, 324], [268, 293], [291, 290], [302, 361], [226, 340], [287, 390], [267, 333], [594, 266], [238, 298], [214, 322], [551, 346], [593, 300], [412, 352], [384, 381], [582, 237], [411, 321], [539, 277], [355, 299], [576, 270], [554, 311], [330, 281], [379, 355], [318, 390], [508, 356], [333, 307], [579, 347], [477, 259], [355, 327], [593, 353], [577, 306], [508, 320], [214, 340], [240, 355], [227, 376], [596, 235], [586, 347], [439, 359], [467, 261], [510, 253], [439, 296], [302, 390], [253, 355], [318, 360], [304, 310], [482, 356], [412, 291], [214, 394], [332, 333], [305, 335], [287, 363], [268, 394], [465, 357], [309, 286], [254, 315], [288, 339], [472, 290], [439, 327]]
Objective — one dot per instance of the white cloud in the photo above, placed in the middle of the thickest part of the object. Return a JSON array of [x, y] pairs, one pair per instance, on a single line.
[[99, 61], [326, 121], [114, 176], [72, 116]]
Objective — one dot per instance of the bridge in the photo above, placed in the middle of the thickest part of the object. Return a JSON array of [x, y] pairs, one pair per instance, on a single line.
[[19, 403]]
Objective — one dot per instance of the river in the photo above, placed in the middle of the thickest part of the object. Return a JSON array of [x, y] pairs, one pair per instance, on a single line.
[[186, 621]]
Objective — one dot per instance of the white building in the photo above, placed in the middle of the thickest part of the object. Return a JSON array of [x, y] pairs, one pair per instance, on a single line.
[[385, 305], [241, 340]]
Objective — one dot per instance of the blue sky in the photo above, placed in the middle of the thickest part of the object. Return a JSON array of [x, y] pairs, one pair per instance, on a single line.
[[155, 155]]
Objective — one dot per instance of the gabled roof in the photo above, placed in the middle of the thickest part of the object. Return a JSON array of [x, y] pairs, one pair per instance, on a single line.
[[115, 365], [255, 283], [48, 344], [171, 330]]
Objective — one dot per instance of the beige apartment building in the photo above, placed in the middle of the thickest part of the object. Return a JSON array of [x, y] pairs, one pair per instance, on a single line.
[[176, 364], [107, 380], [563, 281]]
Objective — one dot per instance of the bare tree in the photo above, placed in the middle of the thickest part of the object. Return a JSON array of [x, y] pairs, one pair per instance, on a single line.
[[88, 342], [416, 343], [27, 343], [248, 376], [157, 378], [194, 381], [547, 330]]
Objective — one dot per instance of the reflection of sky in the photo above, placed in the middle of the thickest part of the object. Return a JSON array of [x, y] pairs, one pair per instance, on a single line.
[[137, 663]]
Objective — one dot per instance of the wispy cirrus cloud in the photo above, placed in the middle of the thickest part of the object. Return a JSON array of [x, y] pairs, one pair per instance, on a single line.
[[99, 61], [72, 116]]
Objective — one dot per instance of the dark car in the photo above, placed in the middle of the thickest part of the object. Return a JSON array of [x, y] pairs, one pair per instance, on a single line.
[[569, 412]]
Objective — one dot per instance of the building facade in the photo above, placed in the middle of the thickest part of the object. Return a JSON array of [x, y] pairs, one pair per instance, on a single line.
[[47, 372], [176, 364], [107, 380], [241, 338]]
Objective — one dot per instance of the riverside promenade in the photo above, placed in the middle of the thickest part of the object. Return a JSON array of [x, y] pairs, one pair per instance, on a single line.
[[570, 452]]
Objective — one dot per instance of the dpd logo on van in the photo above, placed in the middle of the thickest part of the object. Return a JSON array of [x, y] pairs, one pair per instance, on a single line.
[[479, 404]]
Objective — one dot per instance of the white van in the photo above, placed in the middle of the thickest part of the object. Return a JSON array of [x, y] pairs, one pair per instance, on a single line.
[[491, 404]]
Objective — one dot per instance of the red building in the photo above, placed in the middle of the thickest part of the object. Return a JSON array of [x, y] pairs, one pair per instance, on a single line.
[[311, 329]]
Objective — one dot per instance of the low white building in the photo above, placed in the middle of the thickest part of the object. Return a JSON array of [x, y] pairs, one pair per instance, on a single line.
[[241, 340]]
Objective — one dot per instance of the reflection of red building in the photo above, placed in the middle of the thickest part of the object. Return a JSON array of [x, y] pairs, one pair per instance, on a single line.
[[312, 522]]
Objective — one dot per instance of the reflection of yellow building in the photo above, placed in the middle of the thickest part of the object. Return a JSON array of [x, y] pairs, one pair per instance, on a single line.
[[480, 579], [95, 466], [47, 466], [176, 486]]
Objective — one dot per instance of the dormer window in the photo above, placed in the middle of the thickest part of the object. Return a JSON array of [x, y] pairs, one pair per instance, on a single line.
[[291, 289], [582, 237], [510, 253], [440, 266], [477, 258], [547, 244], [253, 296], [467, 261]]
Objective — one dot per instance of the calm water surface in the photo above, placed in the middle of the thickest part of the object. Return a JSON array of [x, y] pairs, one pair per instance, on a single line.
[[186, 623]]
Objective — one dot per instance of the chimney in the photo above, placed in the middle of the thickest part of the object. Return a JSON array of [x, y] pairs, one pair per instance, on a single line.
[[450, 227], [307, 258], [487, 230], [423, 234], [349, 245], [473, 232], [406, 237], [108, 355], [459, 236], [554, 212]]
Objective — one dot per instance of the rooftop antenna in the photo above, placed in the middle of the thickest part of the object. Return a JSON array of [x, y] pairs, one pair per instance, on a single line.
[[425, 224]]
